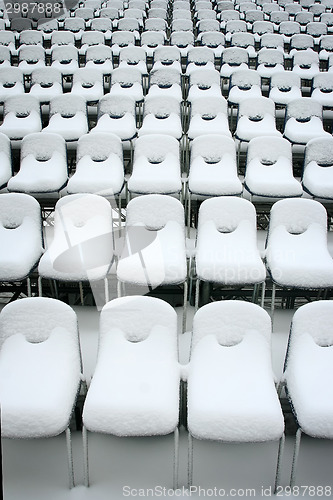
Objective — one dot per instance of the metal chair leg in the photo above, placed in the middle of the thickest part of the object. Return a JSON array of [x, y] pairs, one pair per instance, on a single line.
[[273, 302], [85, 456], [70, 458], [176, 458], [278, 464], [190, 460], [197, 291], [185, 306], [295, 456]]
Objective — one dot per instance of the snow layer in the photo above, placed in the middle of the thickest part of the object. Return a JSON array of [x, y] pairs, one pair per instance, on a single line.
[[213, 167], [227, 242], [318, 167], [135, 387], [297, 253], [231, 391], [82, 247], [40, 367], [20, 217], [311, 390]]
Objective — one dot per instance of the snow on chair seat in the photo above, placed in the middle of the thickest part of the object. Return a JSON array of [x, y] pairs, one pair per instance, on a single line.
[[226, 226], [43, 165], [310, 390], [82, 248], [40, 370], [231, 392], [135, 388], [269, 169], [22, 116], [317, 176], [296, 249], [20, 216]]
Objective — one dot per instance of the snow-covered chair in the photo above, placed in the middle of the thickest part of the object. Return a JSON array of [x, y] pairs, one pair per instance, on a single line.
[[234, 26], [127, 81], [133, 57], [5, 160], [272, 41], [155, 253], [88, 84], [41, 370], [99, 165], [137, 348], [62, 37], [231, 392], [117, 115], [325, 49], [30, 57], [260, 28], [7, 39], [300, 41], [165, 81], [21, 221], [226, 226], [167, 56], [304, 121], [215, 40], [213, 168], [202, 84], [184, 40], [284, 87], [269, 169], [65, 58], [22, 115], [309, 390], [46, 83], [99, 58], [156, 166], [317, 176], [199, 58], [162, 115], [11, 82], [296, 249], [82, 248], [305, 63], [269, 62], [30, 37], [182, 24], [156, 24], [245, 41], [322, 90], [91, 38], [43, 165], [151, 40], [208, 115], [76, 25], [68, 117], [316, 29], [243, 84], [233, 59], [255, 118]]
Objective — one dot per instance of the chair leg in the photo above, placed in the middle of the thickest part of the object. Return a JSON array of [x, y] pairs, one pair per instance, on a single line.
[[106, 290], [189, 214], [295, 456], [278, 464], [185, 306], [263, 290], [70, 458], [273, 302], [119, 289], [81, 293], [40, 288], [176, 458], [197, 291], [85, 456], [28, 286], [190, 460]]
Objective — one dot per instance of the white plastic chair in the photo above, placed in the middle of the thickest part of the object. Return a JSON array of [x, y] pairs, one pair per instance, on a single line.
[[88, 84], [11, 83], [226, 247], [156, 166], [68, 117], [309, 391], [317, 178], [20, 221], [304, 121], [296, 249], [162, 115], [208, 115], [284, 87], [99, 165], [30, 57], [46, 83], [137, 348], [231, 392], [41, 370], [22, 115], [269, 169], [82, 248], [5, 160], [155, 253]]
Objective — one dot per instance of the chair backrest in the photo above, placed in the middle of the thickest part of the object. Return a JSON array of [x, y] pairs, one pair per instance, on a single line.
[[320, 151], [303, 109], [229, 321], [256, 108], [297, 214], [154, 211], [209, 107], [115, 106], [227, 213], [269, 149], [68, 105], [99, 146]]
